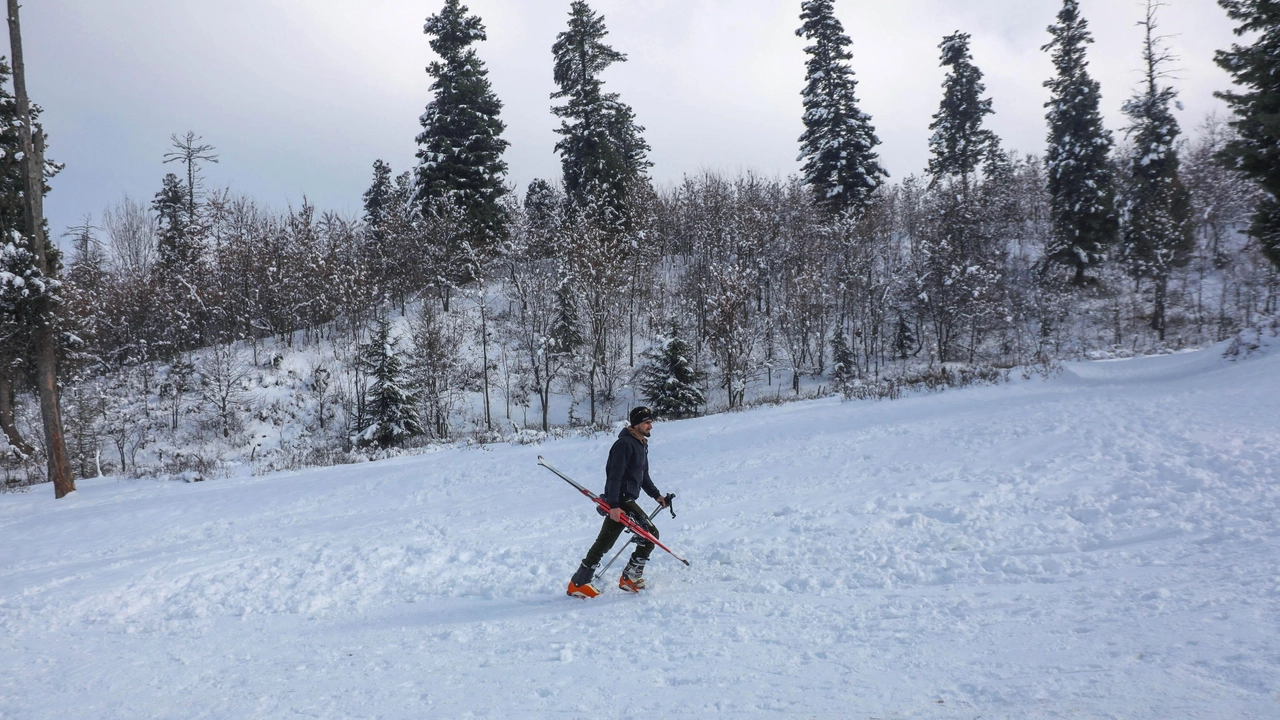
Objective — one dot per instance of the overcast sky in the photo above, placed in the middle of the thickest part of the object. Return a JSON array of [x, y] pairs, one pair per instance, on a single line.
[[301, 96]]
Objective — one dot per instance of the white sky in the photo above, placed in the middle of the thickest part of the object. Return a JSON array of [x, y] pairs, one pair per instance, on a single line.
[[301, 97]]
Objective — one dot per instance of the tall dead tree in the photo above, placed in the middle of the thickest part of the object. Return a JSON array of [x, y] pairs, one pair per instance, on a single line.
[[43, 333]]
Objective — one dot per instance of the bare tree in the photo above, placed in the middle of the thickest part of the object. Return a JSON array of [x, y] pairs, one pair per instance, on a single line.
[[437, 368], [323, 390], [131, 238], [124, 423], [223, 372], [190, 152]]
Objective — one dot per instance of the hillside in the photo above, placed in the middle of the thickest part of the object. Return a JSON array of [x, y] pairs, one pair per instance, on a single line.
[[1100, 544]]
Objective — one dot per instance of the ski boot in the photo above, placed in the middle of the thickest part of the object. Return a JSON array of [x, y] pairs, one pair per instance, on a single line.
[[580, 585], [632, 579]]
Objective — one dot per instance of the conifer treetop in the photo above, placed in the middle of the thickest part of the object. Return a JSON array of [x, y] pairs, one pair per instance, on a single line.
[[838, 143], [1256, 149], [452, 31], [460, 147], [1080, 183], [581, 55], [602, 148], [959, 142]]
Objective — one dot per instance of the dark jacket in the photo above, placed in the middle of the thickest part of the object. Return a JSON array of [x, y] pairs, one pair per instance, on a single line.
[[627, 471]]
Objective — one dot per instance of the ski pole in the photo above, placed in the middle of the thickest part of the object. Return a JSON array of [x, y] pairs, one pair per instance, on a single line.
[[652, 515], [627, 522]]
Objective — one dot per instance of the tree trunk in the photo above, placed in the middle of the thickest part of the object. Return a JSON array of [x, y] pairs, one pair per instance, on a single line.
[[45, 340], [7, 416], [484, 356], [1158, 311], [1079, 279]]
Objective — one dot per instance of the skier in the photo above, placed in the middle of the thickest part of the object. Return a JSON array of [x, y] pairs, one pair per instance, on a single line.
[[626, 474]]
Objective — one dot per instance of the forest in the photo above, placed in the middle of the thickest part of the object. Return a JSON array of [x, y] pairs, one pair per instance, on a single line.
[[200, 332]]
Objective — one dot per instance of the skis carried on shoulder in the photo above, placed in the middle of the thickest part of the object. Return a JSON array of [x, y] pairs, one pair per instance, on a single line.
[[627, 522]]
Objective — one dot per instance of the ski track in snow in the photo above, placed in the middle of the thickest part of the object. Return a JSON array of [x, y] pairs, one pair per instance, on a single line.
[[1102, 544]]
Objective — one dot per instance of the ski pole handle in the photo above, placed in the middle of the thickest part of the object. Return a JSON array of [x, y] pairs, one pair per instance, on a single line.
[[668, 498]]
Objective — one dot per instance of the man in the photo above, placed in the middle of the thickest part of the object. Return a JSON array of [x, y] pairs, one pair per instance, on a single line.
[[626, 474]]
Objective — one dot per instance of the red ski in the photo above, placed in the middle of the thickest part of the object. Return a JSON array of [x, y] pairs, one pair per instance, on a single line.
[[627, 522]]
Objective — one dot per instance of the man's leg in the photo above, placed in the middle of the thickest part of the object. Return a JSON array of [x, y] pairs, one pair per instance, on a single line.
[[609, 532], [643, 547], [632, 579]]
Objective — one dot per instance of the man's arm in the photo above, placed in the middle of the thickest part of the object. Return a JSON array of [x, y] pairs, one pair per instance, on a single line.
[[649, 488], [613, 471]]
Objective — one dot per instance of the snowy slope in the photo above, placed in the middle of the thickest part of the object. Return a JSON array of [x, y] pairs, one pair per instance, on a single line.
[[1102, 544]]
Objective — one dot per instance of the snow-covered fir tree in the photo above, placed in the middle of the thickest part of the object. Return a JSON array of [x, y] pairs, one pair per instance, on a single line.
[[24, 289], [667, 379], [1157, 207], [957, 263], [1255, 150], [460, 147], [378, 199], [11, 211], [1081, 185], [602, 149], [178, 248], [844, 362], [22, 283], [838, 144], [960, 143], [390, 404], [566, 329]]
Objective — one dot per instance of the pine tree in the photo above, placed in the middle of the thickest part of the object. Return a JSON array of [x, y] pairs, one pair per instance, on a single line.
[[543, 214], [11, 217], [22, 284], [566, 330], [905, 344], [957, 258], [85, 288], [460, 147], [25, 290], [383, 210], [844, 364], [378, 199], [1158, 232], [667, 380], [180, 310], [959, 142], [178, 248], [390, 403], [837, 147], [1257, 147], [1080, 182], [602, 149]]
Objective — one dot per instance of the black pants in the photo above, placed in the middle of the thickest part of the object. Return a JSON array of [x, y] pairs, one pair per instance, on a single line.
[[610, 531]]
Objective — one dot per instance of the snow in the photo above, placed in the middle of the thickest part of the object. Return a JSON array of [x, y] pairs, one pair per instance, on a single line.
[[1104, 543]]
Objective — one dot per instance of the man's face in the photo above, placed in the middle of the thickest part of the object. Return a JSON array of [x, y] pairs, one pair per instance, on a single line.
[[645, 427]]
